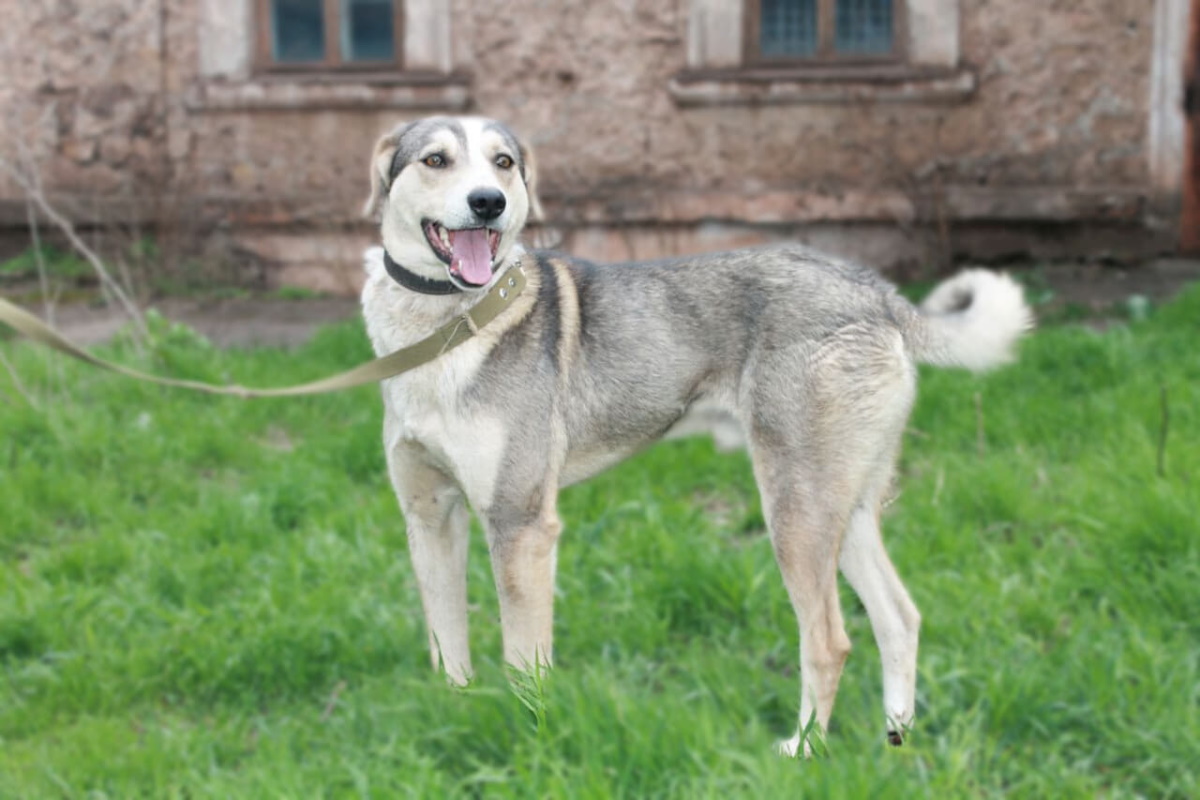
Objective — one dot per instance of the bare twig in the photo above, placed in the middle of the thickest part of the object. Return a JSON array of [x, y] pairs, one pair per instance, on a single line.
[[333, 700], [1162, 431], [49, 299], [16, 381], [980, 439], [123, 267], [945, 247], [39, 259], [33, 191]]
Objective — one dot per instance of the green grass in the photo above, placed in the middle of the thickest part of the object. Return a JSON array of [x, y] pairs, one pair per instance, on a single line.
[[209, 597], [296, 293], [60, 264]]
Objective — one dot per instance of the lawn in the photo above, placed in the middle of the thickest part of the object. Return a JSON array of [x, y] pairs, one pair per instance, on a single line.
[[210, 597]]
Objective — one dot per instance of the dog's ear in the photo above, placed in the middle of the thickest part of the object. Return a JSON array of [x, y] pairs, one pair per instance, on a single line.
[[381, 170], [529, 175]]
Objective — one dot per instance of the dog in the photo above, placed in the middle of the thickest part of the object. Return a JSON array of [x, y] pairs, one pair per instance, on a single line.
[[813, 358]]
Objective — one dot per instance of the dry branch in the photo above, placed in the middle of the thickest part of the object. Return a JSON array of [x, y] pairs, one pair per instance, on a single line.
[[1164, 427], [31, 185], [16, 381]]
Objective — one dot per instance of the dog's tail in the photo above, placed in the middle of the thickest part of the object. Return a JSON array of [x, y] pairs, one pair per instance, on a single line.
[[971, 320]]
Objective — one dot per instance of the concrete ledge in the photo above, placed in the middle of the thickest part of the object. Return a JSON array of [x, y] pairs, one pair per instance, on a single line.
[[1039, 204], [962, 203], [994, 204], [331, 262], [435, 92], [821, 86], [324, 261]]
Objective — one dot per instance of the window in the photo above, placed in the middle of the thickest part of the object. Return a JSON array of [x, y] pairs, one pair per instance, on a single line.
[[775, 52], [325, 34], [268, 55], [783, 31]]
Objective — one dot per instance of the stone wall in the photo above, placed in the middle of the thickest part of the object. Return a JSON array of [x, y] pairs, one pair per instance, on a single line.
[[148, 109], [81, 97]]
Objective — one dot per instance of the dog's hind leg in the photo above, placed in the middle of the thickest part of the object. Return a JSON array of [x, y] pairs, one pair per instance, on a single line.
[[865, 563], [819, 446], [894, 618], [807, 500], [805, 538], [437, 522]]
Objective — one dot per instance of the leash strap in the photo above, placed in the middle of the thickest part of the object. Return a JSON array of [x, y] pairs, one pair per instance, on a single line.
[[444, 339]]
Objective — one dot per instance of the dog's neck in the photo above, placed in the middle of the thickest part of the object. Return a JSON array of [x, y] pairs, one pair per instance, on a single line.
[[415, 314], [417, 283]]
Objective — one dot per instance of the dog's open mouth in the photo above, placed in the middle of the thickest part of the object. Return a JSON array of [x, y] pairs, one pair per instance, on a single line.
[[469, 252]]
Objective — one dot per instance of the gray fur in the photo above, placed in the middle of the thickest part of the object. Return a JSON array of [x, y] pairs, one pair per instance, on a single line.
[[811, 357], [657, 339], [519, 152], [415, 136]]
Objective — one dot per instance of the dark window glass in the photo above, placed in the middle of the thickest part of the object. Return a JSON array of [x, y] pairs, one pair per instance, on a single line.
[[788, 28], [297, 30], [367, 27], [864, 27]]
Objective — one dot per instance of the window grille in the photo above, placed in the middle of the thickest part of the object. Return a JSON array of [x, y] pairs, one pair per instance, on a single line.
[[821, 30], [789, 28], [329, 33], [863, 27]]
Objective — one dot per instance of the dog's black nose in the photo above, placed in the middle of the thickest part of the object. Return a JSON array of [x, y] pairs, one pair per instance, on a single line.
[[487, 203]]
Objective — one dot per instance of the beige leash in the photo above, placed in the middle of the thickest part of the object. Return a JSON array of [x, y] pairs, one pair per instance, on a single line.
[[444, 339]]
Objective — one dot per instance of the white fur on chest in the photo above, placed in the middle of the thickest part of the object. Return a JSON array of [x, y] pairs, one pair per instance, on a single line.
[[468, 446], [426, 405]]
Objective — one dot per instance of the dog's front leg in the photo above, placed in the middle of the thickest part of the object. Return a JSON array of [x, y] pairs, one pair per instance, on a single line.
[[437, 521], [524, 551]]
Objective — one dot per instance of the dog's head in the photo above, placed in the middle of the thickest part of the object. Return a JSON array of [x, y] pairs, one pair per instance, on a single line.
[[453, 194]]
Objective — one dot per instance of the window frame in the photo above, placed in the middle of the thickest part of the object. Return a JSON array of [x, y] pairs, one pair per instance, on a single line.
[[264, 59], [826, 55]]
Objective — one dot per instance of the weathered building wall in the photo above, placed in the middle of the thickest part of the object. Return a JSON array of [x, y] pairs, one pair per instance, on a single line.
[[81, 100], [1042, 123]]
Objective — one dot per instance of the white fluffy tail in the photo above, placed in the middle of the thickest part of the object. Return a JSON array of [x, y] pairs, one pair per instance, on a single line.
[[972, 320]]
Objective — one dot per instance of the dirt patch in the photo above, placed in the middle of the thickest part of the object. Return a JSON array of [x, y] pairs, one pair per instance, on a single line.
[[1101, 289], [230, 322]]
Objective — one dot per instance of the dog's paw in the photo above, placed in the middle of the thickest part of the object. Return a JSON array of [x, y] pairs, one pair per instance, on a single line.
[[803, 745], [898, 727], [789, 748]]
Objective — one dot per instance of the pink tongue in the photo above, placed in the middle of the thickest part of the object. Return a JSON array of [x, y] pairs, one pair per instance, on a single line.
[[471, 255]]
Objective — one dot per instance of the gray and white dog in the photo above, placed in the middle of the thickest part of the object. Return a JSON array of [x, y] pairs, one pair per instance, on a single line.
[[814, 358]]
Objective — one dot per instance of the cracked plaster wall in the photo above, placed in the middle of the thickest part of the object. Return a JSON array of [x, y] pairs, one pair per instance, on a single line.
[[98, 92]]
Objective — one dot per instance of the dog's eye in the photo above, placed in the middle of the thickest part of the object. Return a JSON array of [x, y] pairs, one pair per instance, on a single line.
[[436, 160], [504, 161]]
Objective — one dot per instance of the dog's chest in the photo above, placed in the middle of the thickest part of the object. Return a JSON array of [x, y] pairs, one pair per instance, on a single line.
[[427, 408], [427, 404], [433, 390], [467, 445]]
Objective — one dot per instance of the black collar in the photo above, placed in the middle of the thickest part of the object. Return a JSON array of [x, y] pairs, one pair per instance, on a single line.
[[418, 283]]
